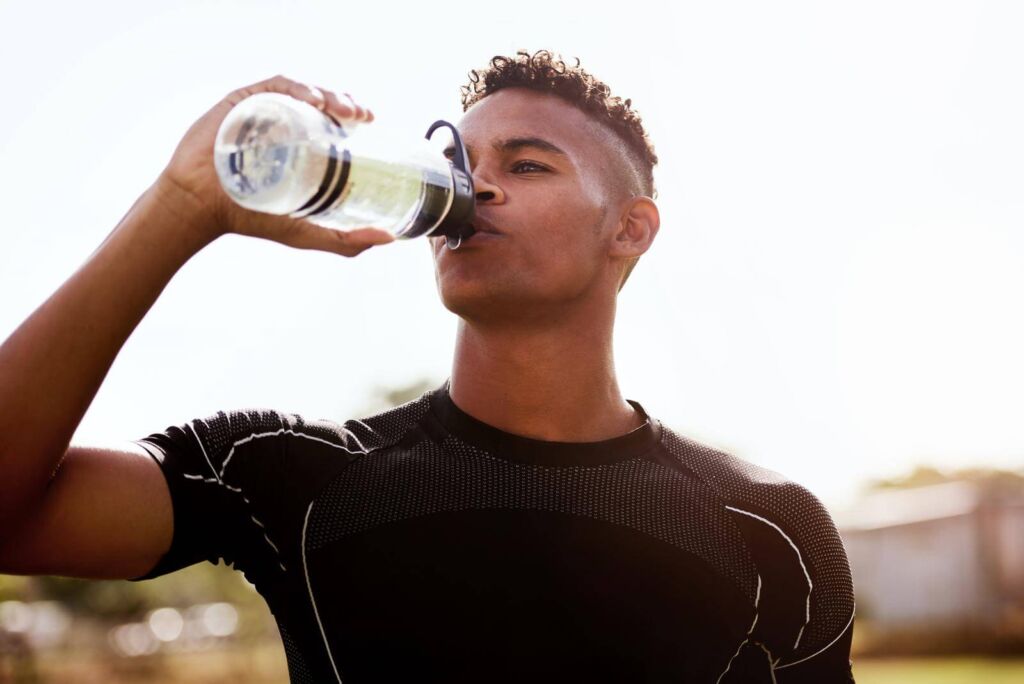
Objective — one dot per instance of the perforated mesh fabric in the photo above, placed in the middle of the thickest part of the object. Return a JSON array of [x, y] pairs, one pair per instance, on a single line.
[[219, 432], [265, 488], [399, 484], [298, 671], [800, 515], [388, 427]]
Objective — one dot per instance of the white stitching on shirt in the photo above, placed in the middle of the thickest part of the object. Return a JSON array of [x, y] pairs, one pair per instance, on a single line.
[[211, 481], [237, 490], [309, 586], [810, 585], [828, 646], [248, 503], [771, 663], [218, 476], [217, 479], [757, 601], [288, 431]]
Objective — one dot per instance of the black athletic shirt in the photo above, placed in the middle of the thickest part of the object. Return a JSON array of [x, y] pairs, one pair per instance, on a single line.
[[423, 545]]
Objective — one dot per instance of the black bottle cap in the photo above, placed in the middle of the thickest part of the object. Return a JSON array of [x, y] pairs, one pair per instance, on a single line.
[[456, 223]]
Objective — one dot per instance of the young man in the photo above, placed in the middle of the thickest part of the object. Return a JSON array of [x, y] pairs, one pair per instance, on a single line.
[[521, 522]]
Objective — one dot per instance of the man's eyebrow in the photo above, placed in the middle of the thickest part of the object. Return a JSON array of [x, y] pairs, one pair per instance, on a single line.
[[512, 144], [517, 143]]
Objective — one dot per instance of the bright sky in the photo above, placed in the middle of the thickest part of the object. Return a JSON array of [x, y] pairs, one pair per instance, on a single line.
[[834, 293]]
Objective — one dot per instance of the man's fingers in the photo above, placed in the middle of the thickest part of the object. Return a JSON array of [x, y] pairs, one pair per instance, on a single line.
[[343, 107], [320, 97], [298, 233], [279, 84], [353, 242], [363, 113], [306, 235], [369, 236]]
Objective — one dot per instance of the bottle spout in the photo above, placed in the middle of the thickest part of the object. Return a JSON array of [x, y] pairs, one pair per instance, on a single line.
[[455, 238]]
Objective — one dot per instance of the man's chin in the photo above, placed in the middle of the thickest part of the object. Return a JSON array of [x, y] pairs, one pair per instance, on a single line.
[[478, 301], [466, 302]]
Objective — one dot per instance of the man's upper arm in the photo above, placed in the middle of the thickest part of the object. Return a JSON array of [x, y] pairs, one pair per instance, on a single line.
[[107, 514]]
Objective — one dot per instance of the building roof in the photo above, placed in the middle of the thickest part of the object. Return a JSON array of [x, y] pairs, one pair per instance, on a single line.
[[888, 508]]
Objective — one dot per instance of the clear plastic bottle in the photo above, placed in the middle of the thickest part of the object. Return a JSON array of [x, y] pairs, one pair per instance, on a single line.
[[280, 155]]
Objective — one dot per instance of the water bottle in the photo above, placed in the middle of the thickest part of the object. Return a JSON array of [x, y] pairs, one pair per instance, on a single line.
[[279, 155]]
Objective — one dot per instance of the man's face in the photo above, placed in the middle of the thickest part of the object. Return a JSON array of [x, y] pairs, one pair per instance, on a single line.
[[551, 208]]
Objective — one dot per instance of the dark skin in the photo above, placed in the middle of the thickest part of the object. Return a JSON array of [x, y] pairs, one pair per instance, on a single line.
[[537, 303]]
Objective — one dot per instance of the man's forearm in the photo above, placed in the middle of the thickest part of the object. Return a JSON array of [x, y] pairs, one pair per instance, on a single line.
[[53, 364]]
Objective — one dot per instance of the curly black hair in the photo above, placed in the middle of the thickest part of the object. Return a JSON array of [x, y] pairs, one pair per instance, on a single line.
[[547, 72]]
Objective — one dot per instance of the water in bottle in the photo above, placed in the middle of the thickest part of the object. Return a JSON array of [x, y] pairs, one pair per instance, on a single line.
[[280, 155]]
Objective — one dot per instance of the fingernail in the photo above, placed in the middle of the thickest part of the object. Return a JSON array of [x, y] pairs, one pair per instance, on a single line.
[[318, 96]]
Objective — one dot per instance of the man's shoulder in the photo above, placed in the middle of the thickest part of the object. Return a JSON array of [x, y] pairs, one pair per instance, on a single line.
[[369, 432], [758, 493], [389, 425], [739, 482], [781, 520]]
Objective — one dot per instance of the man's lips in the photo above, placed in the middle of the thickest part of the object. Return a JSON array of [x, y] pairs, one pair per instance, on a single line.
[[483, 231], [483, 226]]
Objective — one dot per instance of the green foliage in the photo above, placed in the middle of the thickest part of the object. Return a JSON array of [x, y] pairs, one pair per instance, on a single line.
[[123, 600], [383, 398], [12, 587], [1007, 482], [939, 671]]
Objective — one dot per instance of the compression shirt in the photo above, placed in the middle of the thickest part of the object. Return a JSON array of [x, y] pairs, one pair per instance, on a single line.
[[423, 545]]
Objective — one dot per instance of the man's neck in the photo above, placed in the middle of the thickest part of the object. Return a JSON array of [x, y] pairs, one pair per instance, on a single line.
[[556, 383]]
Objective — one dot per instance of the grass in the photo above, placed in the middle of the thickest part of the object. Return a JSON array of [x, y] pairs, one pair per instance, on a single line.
[[265, 664], [939, 671]]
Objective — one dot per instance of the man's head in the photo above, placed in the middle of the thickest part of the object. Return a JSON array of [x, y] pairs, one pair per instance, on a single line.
[[547, 73], [563, 171]]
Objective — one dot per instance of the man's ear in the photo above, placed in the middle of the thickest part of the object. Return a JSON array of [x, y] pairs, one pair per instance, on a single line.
[[637, 228]]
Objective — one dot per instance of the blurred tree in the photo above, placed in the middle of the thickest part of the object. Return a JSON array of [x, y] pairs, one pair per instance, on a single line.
[[993, 481], [383, 397], [12, 587], [120, 600]]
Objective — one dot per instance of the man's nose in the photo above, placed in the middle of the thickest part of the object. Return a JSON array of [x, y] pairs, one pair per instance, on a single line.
[[487, 191]]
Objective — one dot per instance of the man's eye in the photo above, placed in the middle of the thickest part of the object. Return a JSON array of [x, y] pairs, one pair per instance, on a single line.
[[530, 167]]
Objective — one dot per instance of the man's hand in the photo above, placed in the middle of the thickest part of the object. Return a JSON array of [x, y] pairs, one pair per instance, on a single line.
[[190, 189]]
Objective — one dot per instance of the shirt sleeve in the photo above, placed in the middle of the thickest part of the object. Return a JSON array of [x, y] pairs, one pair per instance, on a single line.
[[216, 468], [805, 603], [831, 664]]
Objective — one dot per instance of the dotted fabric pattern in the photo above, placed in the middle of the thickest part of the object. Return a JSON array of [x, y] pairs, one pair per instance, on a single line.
[[672, 506], [298, 671], [218, 433], [649, 497], [387, 428], [400, 466], [798, 513]]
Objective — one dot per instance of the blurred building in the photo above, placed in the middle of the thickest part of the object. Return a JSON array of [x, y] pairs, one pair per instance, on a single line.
[[939, 559]]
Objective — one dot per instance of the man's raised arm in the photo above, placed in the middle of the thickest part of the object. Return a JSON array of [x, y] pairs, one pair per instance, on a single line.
[[106, 512]]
